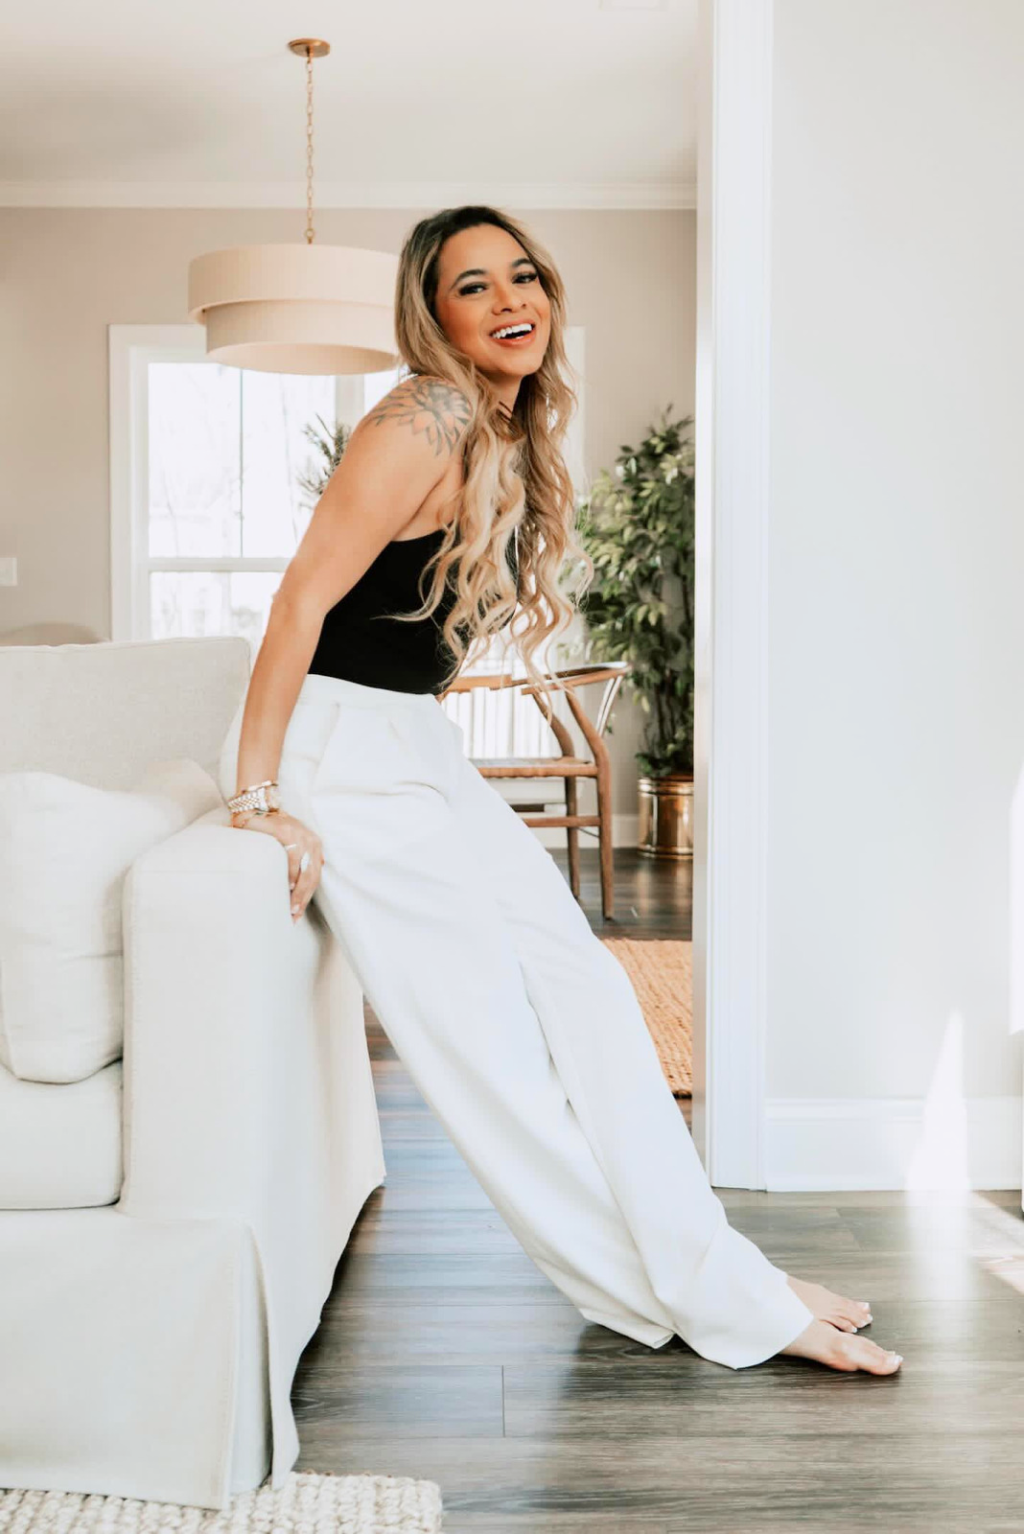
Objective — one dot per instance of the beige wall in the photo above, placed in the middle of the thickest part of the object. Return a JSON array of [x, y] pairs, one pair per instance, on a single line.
[[69, 273]]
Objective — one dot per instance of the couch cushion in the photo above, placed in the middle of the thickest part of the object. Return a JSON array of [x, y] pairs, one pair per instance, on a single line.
[[101, 713], [60, 1146], [65, 848]]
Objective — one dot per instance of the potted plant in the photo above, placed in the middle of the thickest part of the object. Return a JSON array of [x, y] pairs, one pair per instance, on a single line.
[[330, 442], [637, 525]]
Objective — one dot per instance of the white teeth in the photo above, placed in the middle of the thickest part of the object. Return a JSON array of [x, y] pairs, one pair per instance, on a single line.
[[512, 330]]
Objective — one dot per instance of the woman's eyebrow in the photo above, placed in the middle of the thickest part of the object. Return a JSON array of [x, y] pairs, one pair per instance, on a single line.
[[479, 271]]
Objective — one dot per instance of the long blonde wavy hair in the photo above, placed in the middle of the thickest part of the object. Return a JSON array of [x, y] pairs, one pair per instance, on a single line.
[[516, 485]]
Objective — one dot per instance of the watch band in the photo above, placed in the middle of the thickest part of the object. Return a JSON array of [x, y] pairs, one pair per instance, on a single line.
[[262, 798]]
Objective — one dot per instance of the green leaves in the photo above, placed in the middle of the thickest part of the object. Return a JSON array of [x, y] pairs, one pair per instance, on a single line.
[[330, 442], [637, 525]]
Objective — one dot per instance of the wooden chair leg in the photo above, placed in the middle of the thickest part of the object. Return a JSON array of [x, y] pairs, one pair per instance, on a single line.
[[572, 836], [604, 837]]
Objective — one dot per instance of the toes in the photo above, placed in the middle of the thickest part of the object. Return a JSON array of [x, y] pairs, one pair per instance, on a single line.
[[875, 1359], [861, 1353], [844, 1314], [857, 1310]]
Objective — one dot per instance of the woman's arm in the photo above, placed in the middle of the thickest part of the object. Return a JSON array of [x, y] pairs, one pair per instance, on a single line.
[[395, 456]]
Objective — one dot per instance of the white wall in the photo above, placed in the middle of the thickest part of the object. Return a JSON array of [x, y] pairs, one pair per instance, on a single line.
[[895, 663]]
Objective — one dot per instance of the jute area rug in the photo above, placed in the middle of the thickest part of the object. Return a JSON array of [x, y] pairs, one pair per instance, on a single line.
[[307, 1503], [662, 975]]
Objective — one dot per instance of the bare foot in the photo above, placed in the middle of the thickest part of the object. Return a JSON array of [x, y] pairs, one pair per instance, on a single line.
[[836, 1309], [838, 1350]]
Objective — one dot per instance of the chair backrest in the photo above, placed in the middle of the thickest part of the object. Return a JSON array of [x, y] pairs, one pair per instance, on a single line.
[[102, 713], [498, 721], [534, 722]]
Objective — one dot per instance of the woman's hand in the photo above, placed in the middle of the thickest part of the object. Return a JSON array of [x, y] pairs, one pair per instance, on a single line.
[[297, 839]]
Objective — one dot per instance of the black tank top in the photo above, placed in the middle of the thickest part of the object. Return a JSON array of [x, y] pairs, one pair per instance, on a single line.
[[360, 642]]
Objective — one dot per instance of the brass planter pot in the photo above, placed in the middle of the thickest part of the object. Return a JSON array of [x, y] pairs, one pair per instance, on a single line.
[[666, 816]]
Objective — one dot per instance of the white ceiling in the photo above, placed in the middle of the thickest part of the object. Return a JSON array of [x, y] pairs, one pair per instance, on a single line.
[[185, 103]]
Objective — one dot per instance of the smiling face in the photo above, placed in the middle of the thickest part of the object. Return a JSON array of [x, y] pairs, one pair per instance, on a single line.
[[491, 305]]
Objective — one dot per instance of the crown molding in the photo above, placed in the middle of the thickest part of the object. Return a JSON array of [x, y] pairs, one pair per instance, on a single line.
[[568, 195]]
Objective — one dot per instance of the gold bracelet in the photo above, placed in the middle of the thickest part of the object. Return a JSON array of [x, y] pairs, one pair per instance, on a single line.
[[256, 797], [248, 815]]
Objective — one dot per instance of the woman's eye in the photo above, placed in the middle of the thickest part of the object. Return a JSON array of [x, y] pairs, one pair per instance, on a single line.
[[474, 287]]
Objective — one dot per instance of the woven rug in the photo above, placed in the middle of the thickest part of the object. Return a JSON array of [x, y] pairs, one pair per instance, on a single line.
[[662, 976], [307, 1503]]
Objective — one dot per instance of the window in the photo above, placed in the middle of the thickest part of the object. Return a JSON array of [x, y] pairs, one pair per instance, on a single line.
[[207, 508]]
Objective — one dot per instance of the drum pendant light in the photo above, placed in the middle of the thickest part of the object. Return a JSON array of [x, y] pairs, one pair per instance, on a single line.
[[297, 308]]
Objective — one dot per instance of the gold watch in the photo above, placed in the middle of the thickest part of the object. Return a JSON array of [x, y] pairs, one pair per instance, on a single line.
[[261, 798]]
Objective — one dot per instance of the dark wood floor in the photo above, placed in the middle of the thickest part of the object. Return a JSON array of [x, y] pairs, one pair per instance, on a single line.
[[445, 1353]]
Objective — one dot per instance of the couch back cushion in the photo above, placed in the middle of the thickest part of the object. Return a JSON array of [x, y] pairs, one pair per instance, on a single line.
[[65, 847], [101, 713]]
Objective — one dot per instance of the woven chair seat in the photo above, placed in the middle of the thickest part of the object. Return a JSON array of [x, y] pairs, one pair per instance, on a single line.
[[534, 766]]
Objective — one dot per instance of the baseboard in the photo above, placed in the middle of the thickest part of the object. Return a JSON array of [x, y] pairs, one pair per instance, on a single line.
[[851, 1144]]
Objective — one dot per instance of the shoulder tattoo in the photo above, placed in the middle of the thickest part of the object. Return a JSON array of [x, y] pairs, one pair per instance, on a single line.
[[426, 405]]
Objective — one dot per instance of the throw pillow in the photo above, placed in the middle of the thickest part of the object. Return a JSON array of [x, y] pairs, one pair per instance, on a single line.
[[65, 848]]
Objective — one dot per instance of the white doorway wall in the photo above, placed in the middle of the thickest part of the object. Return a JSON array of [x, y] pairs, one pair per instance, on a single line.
[[860, 730], [731, 428]]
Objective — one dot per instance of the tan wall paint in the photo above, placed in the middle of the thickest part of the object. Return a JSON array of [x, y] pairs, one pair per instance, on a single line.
[[69, 273]]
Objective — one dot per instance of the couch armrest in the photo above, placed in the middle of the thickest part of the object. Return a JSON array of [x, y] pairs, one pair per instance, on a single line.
[[248, 1094], [234, 1015]]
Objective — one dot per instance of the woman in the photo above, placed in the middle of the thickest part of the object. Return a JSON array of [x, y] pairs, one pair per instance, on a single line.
[[519, 1027]]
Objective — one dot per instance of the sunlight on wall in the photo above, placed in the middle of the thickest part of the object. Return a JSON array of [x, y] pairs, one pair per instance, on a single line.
[[940, 1158]]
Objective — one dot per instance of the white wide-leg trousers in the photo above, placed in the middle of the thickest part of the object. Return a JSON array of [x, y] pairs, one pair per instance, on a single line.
[[519, 1027]]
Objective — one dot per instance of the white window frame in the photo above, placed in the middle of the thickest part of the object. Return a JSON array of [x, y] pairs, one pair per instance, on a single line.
[[131, 349]]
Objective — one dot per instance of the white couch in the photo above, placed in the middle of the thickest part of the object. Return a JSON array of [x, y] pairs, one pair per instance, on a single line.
[[171, 1224]]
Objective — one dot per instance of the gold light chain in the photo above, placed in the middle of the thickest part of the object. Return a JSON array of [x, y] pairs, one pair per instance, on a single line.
[[312, 48], [309, 146]]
